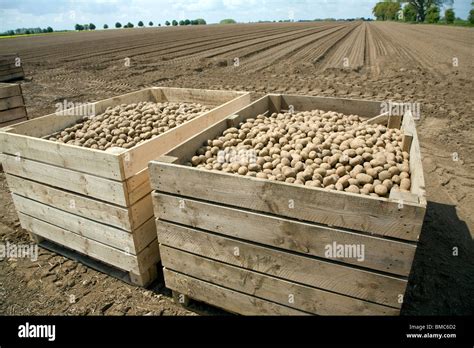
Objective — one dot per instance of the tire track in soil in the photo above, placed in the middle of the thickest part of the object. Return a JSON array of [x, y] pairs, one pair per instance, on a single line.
[[250, 48], [325, 31], [315, 52], [264, 59], [244, 49], [181, 44], [349, 50]]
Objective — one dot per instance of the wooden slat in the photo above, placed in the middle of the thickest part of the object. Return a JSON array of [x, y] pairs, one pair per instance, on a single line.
[[416, 166], [357, 283], [74, 203], [11, 102], [406, 142], [13, 76], [138, 186], [193, 95], [9, 90], [141, 211], [10, 70], [42, 126], [144, 235], [96, 250], [379, 254], [89, 229], [85, 184], [341, 209], [90, 161], [8, 66], [9, 123], [363, 108], [286, 293], [394, 121], [380, 119], [12, 114], [148, 258], [230, 300]]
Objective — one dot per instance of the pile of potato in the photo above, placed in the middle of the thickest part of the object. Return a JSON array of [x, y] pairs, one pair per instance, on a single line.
[[127, 125], [312, 148]]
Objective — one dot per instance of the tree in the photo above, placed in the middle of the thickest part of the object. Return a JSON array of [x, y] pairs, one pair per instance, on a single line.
[[181, 22], [386, 10], [159, 24], [167, 23], [422, 6], [432, 15], [79, 27], [174, 22], [118, 25], [409, 13], [49, 29], [187, 22], [470, 18], [140, 24], [91, 26], [228, 21], [128, 25], [201, 21], [449, 15], [150, 23], [106, 26]]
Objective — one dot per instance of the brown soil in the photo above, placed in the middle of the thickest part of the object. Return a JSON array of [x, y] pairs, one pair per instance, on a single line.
[[385, 61]]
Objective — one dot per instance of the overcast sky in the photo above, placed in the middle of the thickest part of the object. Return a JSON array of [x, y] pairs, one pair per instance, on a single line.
[[63, 14]]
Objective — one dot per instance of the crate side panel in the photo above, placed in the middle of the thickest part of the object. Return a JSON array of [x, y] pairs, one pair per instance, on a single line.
[[71, 202], [349, 281], [308, 239], [269, 288], [85, 184]]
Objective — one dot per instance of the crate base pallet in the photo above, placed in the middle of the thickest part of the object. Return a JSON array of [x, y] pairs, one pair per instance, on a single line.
[[12, 105], [235, 241], [95, 202], [9, 69]]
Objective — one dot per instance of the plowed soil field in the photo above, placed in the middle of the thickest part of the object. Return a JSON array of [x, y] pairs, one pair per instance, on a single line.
[[430, 65]]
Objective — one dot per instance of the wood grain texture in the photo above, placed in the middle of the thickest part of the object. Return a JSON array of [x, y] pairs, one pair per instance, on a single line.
[[262, 286], [308, 239], [85, 184], [341, 279], [341, 209], [230, 300]]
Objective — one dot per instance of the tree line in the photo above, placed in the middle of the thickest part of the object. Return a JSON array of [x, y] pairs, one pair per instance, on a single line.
[[428, 11], [91, 26], [27, 31]]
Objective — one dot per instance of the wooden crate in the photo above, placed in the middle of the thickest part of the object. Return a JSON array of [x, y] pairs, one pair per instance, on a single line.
[[12, 105], [254, 246], [95, 202], [10, 68]]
